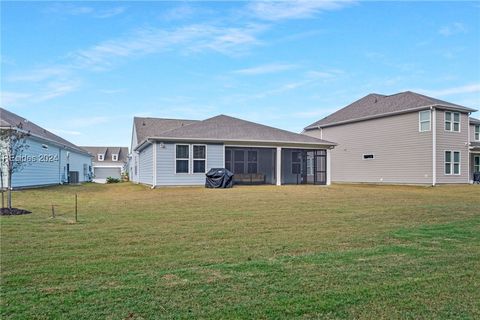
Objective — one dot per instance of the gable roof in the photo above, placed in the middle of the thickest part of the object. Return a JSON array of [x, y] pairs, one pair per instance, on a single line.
[[107, 152], [378, 105], [152, 127], [223, 128], [11, 120]]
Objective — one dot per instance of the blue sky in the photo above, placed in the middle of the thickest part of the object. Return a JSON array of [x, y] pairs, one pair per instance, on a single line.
[[84, 69]]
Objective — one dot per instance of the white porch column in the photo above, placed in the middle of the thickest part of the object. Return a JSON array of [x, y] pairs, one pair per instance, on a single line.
[[329, 169], [279, 166]]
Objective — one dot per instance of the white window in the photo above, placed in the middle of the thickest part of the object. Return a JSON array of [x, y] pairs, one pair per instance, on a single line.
[[199, 158], [452, 162], [424, 121], [477, 132], [114, 157], [100, 157], [368, 157], [452, 121], [182, 158]]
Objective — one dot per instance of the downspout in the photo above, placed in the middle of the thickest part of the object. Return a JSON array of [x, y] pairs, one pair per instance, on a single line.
[[468, 148], [434, 146]]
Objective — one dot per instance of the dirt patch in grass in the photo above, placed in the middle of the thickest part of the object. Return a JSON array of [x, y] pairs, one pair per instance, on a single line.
[[13, 212]]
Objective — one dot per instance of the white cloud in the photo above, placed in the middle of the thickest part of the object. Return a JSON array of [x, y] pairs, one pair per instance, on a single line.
[[469, 88], [39, 74], [9, 97], [110, 12], [54, 90], [297, 9], [452, 29], [267, 68], [65, 132], [79, 10]]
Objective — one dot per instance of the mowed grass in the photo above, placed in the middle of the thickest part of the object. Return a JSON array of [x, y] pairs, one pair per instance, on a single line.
[[346, 251]]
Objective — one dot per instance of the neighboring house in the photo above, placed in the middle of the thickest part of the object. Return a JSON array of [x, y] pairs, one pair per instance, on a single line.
[[50, 159], [405, 138], [474, 146], [179, 152], [108, 162]]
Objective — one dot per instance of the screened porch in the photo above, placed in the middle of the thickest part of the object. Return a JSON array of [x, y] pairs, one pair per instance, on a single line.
[[260, 165]]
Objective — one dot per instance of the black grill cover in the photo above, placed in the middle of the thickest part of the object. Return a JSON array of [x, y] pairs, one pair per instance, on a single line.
[[219, 178]]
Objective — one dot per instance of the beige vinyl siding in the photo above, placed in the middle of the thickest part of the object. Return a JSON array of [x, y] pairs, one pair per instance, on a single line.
[[452, 141], [402, 153]]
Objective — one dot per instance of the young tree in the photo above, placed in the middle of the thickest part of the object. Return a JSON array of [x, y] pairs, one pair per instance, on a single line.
[[13, 144]]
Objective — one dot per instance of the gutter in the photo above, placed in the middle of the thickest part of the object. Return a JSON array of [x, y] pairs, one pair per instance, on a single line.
[[206, 140]]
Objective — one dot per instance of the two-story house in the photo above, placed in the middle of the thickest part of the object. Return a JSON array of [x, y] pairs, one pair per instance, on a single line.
[[474, 146], [108, 162], [405, 138]]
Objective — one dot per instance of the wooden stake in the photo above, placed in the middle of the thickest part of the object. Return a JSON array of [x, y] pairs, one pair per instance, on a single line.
[[76, 208], [53, 211]]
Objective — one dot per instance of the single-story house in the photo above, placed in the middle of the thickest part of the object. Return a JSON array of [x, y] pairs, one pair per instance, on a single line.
[[168, 152], [108, 162], [49, 159]]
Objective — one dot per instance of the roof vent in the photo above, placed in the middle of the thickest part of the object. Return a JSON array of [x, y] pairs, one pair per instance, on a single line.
[[143, 123], [375, 100]]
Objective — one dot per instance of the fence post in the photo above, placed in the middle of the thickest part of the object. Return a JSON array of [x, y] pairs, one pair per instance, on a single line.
[[76, 208], [53, 211]]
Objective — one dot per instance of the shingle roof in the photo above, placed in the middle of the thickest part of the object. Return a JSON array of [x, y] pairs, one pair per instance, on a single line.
[[377, 105], [153, 127], [107, 153], [10, 119], [225, 128], [474, 121]]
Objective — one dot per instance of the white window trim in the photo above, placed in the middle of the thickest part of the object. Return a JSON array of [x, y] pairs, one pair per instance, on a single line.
[[206, 157], [175, 158], [100, 157], [452, 163], [368, 154], [114, 157], [476, 157], [476, 133], [420, 121], [452, 121]]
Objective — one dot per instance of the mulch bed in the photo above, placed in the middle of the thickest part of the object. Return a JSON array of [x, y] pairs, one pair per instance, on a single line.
[[13, 212]]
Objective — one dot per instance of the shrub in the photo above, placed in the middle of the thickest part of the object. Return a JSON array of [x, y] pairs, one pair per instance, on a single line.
[[112, 180]]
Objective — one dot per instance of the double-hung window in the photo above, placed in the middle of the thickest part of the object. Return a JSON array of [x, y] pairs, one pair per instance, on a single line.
[[199, 158], [425, 120], [182, 160], [452, 121], [100, 157], [477, 132], [114, 157], [452, 162], [476, 164]]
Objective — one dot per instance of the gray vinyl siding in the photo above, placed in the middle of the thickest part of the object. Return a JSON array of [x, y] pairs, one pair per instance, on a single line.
[[452, 141], [166, 175], [48, 165], [402, 153], [145, 165]]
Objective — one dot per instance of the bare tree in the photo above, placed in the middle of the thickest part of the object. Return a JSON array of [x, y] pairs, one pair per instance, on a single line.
[[13, 146]]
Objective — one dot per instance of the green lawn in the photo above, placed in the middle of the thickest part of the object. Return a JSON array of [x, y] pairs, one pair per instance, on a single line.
[[344, 251]]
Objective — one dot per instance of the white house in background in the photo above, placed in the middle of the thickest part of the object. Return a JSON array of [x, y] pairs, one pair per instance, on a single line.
[[49, 159], [108, 162], [179, 152], [401, 138]]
